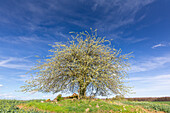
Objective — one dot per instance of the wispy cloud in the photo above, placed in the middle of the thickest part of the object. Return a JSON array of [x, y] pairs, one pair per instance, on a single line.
[[28, 96], [158, 45], [118, 37], [22, 78], [148, 85], [164, 44], [124, 10], [133, 39], [24, 39], [62, 35], [149, 63], [36, 18], [1, 85], [7, 96], [15, 63], [148, 78]]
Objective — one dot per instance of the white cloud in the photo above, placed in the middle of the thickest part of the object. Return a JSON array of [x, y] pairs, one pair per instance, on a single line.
[[124, 10], [114, 13], [16, 96], [25, 39], [133, 39], [153, 78], [1, 85], [23, 76], [61, 35], [16, 63], [150, 86], [50, 96], [28, 96], [7, 96], [158, 45], [6, 61], [162, 44], [149, 64], [32, 92]]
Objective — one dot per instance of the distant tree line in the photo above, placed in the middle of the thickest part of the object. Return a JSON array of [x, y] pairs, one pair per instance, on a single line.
[[150, 99]]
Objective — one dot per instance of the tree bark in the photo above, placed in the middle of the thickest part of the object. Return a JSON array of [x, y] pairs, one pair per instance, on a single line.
[[82, 91]]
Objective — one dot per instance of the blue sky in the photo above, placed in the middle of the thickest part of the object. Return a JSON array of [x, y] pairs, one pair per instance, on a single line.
[[139, 26]]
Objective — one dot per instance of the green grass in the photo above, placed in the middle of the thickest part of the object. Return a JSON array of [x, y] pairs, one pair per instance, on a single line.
[[158, 106], [80, 106]]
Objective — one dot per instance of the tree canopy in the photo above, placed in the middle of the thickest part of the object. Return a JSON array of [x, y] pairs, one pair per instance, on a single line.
[[87, 64]]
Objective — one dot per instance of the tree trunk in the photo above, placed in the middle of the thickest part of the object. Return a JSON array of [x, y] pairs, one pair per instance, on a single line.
[[82, 91]]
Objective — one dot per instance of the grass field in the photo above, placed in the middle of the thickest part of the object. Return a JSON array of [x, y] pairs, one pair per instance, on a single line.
[[80, 106]]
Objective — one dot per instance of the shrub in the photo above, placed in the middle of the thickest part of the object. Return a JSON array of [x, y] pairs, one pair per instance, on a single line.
[[59, 97], [48, 100], [119, 97]]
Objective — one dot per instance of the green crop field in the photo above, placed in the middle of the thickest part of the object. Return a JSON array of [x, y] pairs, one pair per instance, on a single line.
[[158, 106], [162, 102], [82, 106], [10, 106]]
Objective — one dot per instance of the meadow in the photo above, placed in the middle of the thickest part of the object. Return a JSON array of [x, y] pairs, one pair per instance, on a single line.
[[83, 106]]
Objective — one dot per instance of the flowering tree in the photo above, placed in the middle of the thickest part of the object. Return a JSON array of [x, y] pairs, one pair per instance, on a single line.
[[85, 63]]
